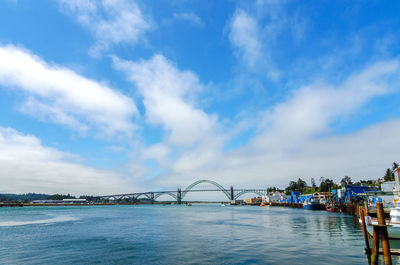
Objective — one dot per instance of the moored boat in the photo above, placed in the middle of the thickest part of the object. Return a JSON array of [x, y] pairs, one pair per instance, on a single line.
[[330, 207], [311, 205]]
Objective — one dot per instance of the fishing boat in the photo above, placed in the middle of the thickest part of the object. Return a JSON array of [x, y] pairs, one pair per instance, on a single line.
[[223, 204], [330, 207], [311, 204]]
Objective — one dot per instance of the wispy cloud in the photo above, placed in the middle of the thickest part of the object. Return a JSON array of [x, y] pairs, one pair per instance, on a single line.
[[26, 166], [189, 17], [254, 31], [59, 95], [244, 35], [111, 22]]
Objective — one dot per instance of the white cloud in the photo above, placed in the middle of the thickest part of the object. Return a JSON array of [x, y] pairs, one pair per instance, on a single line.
[[189, 17], [168, 98], [313, 108], [244, 35], [62, 96], [250, 44], [192, 137], [28, 166], [110, 21], [255, 31]]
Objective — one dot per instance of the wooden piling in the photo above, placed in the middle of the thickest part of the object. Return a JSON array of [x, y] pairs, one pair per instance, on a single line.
[[380, 231], [384, 233], [365, 232], [380, 213], [375, 247]]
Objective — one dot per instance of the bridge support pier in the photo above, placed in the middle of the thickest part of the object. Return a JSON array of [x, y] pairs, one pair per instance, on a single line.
[[232, 195], [152, 197], [179, 196]]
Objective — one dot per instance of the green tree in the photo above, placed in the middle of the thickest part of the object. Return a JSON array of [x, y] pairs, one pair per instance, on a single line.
[[313, 183], [292, 186], [389, 176], [346, 181], [326, 185], [301, 184]]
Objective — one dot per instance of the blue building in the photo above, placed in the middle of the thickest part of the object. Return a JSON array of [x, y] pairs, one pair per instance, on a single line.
[[305, 197], [354, 192]]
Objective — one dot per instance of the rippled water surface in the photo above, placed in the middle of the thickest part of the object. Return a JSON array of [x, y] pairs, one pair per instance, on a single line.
[[172, 234]]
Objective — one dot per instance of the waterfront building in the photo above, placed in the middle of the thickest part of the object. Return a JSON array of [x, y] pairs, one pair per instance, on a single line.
[[388, 186], [305, 197], [354, 192], [388, 194], [323, 197], [253, 201], [276, 197]]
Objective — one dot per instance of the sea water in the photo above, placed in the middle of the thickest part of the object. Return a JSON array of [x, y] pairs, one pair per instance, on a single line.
[[178, 234]]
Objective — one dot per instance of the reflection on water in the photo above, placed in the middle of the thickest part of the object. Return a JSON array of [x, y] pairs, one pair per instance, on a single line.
[[201, 234]]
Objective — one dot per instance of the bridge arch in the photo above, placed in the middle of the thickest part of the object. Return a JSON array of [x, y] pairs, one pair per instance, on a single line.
[[128, 197], [191, 186], [165, 193], [146, 195]]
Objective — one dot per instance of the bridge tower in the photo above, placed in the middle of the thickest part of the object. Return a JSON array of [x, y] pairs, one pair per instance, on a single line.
[[232, 195], [179, 196]]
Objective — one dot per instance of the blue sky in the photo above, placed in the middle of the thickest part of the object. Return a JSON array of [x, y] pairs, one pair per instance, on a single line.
[[119, 96]]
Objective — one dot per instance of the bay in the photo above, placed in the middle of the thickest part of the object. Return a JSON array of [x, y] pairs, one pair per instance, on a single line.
[[178, 234]]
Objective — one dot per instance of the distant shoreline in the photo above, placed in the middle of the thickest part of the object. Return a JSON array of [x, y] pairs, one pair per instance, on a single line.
[[109, 204]]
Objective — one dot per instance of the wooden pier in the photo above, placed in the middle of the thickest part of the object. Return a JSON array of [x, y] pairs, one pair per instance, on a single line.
[[380, 233], [286, 204]]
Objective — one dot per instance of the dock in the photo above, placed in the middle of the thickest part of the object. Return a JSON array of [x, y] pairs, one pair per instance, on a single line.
[[286, 204]]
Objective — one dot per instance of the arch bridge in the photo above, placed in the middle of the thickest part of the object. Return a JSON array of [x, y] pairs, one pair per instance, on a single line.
[[231, 193]]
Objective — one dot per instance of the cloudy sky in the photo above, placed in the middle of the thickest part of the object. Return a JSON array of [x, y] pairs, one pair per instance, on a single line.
[[103, 97]]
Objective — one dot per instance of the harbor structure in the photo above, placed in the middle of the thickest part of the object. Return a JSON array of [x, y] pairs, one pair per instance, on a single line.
[[63, 201]]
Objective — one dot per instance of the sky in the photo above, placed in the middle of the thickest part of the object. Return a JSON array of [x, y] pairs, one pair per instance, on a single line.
[[105, 97]]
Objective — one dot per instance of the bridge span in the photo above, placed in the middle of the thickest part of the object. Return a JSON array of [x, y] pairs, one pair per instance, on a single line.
[[178, 195]]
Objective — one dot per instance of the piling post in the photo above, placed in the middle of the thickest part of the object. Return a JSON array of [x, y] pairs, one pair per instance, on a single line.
[[384, 234], [380, 213], [365, 232], [375, 247]]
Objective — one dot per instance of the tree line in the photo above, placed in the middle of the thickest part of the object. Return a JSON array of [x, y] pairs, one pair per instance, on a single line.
[[326, 184], [27, 197]]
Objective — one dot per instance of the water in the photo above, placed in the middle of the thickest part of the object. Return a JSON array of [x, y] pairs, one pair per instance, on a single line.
[[172, 234]]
